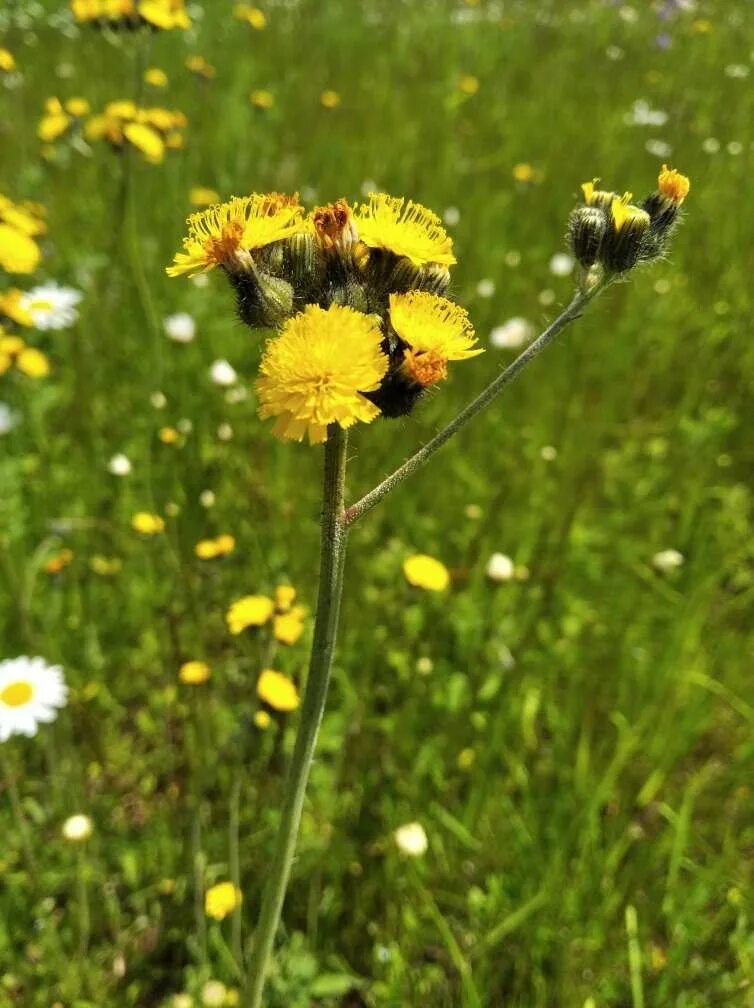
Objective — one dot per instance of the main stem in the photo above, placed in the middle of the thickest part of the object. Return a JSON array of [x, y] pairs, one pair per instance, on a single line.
[[331, 563]]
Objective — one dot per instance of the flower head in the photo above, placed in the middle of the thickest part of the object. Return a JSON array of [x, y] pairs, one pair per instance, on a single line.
[[314, 373], [222, 899], [31, 693], [77, 828], [436, 331], [278, 691], [412, 839], [249, 611], [194, 673], [19, 253], [425, 572], [51, 306], [404, 228], [673, 185], [148, 524], [224, 234]]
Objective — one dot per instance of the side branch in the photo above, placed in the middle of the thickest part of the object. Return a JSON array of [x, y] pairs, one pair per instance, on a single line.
[[568, 315]]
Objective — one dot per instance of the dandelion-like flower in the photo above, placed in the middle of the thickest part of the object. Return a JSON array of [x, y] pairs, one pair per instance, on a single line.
[[31, 693], [222, 899], [673, 185], [436, 330], [225, 234], [278, 691], [404, 228], [316, 371], [426, 572]]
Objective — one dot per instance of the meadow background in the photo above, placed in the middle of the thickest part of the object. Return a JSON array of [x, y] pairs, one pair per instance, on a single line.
[[576, 741]]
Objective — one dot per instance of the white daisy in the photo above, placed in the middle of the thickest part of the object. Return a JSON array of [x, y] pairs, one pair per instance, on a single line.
[[667, 560], [31, 692], [179, 327], [512, 334], [51, 306], [412, 839], [77, 828], [223, 373], [119, 465], [500, 567]]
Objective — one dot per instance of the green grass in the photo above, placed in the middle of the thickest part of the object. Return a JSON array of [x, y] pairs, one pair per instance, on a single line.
[[595, 849]]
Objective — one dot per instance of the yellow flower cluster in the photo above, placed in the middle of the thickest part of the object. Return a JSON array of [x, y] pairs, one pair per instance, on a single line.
[[58, 118], [151, 131], [357, 297], [250, 15], [257, 610], [20, 225], [28, 360], [199, 66], [163, 15], [210, 549], [147, 523]]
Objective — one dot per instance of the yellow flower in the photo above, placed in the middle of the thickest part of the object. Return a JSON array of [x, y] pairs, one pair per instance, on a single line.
[[523, 172], [278, 691], [251, 15], [77, 107], [262, 719], [194, 673], [11, 305], [19, 253], [208, 549], [423, 571], [199, 66], [23, 217], [124, 108], [314, 372], [249, 611], [223, 234], [468, 84], [261, 99], [673, 185], [58, 562], [330, 99], [156, 77], [147, 140], [11, 345], [168, 435], [147, 523], [288, 627], [222, 899], [164, 14], [436, 330], [53, 126], [200, 196], [7, 63], [405, 228], [625, 214], [285, 596], [33, 363]]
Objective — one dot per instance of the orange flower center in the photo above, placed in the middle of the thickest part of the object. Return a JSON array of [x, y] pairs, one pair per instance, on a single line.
[[426, 368], [16, 694], [222, 249]]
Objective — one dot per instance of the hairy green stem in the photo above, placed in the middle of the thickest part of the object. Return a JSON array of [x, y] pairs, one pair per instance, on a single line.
[[582, 297], [331, 564]]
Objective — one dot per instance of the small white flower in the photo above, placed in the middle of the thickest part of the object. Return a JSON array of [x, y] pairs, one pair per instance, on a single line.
[[735, 147], [222, 373], [77, 828], [711, 145], [485, 288], [658, 148], [207, 499], [184, 425], [424, 665], [214, 994], [180, 327], [512, 334], [51, 306], [158, 400], [667, 560], [561, 264], [8, 418], [548, 452], [512, 258], [31, 693], [546, 297], [451, 216], [614, 53], [737, 71], [225, 432], [236, 395], [412, 839], [119, 465], [500, 567]]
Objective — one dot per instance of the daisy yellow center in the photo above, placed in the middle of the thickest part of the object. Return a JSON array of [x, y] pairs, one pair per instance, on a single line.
[[16, 694], [404, 228]]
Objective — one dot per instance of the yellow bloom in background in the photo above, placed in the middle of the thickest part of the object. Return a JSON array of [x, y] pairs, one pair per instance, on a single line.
[[54, 122], [199, 66], [437, 331], [673, 185], [168, 435], [19, 253], [24, 217], [249, 611], [7, 62], [200, 196], [262, 719], [59, 562], [251, 15], [288, 627], [329, 99], [425, 572], [223, 234], [278, 691], [261, 99], [156, 77], [209, 549], [222, 899], [33, 363], [123, 108], [468, 84], [314, 373], [147, 140], [12, 307], [285, 596], [147, 523], [194, 673], [165, 14], [404, 228], [77, 107]]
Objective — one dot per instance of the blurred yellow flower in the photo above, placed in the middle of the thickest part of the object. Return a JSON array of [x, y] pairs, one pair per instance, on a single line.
[[523, 172], [285, 596], [199, 66], [468, 84], [77, 107], [262, 719], [251, 15], [425, 572], [701, 26], [147, 140], [330, 99], [156, 77], [164, 14], [200, 196], [249, 611], [77, 828], [278, 691], [168, 435], [261, 99], [12, 307], [19, 253], [147, 523], [208, 549], [32, 362], [404, 228], [194, 672], [222, 899], [58, 562], [7, 63], [288, 627]]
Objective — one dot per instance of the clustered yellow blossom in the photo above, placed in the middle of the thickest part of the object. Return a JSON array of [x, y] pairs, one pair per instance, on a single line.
[[20, 225], [220, 546], [59, 562], [162, 15], [28, 360], [202, 196], [14, 308], [257, 610], [155, 77], [357, 296], [222, 899], [250, 15], [147, 523], [151, 131], [198, 65], [59, 118]]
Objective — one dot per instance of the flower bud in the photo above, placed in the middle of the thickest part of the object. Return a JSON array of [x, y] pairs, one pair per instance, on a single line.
[[262, 299], [303, 265], [625, 240], [600, 198], [586, 230]]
